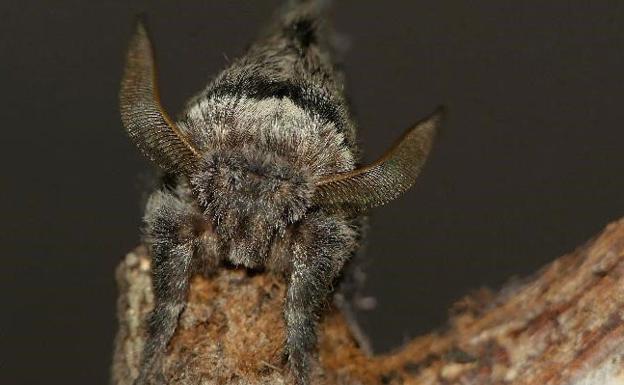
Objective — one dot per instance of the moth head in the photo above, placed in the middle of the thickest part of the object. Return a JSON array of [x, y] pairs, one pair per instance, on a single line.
[[250, 195], [260, 184]]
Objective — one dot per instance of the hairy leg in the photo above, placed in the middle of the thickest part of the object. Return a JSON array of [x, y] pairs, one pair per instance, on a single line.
[[171, 235], [321, 246]]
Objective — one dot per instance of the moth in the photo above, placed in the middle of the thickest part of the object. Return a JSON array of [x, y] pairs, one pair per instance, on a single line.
[[263, 173]]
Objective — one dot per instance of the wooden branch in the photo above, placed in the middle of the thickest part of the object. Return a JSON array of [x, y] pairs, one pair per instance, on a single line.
[[564, 325]]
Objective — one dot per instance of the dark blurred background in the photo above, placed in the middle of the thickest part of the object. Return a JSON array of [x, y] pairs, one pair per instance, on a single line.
[[529, 164]]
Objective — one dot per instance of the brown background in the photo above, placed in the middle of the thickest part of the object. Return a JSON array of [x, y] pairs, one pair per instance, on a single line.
[[529, 164]]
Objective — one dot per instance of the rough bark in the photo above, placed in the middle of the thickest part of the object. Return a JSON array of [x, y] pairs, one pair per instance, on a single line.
[[563, 325]]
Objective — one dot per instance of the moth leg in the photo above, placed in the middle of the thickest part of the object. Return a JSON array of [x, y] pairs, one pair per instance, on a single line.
[[347, 303], [320, 249], [172, 240], [348, 297]]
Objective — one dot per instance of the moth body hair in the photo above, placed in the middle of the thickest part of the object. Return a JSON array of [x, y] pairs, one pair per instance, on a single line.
[[262, 172]]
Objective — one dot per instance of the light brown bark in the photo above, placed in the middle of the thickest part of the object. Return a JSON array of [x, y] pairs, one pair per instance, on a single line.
[[563, 325]]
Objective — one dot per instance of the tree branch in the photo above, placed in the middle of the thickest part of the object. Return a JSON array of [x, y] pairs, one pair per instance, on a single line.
[[564, 325]]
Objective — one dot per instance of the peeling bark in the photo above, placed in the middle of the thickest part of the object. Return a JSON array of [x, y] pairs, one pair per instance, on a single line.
[[563, 325]]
